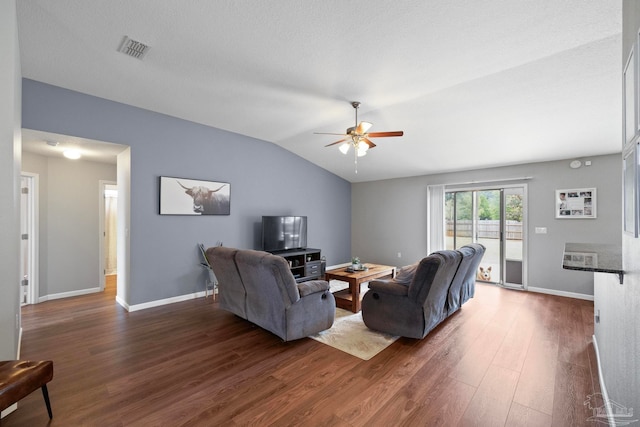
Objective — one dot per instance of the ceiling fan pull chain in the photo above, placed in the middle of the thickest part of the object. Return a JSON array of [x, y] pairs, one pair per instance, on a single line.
[[355, 155]]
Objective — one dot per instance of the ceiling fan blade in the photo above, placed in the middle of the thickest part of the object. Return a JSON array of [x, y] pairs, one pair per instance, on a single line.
[[363, 127], [368, 142], [337, 142], [385, 134], [329, 133]]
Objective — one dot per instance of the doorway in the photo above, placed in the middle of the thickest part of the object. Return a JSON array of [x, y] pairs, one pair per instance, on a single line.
[[495, 218], [108, 233]]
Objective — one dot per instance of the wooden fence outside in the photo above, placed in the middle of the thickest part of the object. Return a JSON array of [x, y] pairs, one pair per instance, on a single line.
[[487, 229]]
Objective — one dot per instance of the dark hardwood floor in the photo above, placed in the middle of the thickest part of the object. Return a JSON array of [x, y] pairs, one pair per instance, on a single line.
[[506, 358]]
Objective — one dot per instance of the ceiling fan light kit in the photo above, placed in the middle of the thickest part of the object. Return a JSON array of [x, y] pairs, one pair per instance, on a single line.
[[360, 148], [358, 137]]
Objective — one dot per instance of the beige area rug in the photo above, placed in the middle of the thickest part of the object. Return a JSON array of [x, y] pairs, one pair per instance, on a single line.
[[350, 334]]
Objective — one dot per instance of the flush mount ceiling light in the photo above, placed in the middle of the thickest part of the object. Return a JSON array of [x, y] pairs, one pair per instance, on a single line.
[[358, 137], [72, 154]]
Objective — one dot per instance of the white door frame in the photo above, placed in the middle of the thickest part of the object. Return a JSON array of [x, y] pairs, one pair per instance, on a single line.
[[525, 221], [101, 231], [525, 238], [33, 231]]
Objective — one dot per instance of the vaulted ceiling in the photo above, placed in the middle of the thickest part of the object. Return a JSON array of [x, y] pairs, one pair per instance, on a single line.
[[472, 84]]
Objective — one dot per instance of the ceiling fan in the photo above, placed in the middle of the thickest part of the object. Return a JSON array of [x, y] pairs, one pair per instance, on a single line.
[[358, 137]]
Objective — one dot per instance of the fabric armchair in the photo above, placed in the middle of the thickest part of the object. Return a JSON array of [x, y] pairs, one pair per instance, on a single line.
[[414, 307], [468, 288], [272, 299], [463, 284], [233, 296]]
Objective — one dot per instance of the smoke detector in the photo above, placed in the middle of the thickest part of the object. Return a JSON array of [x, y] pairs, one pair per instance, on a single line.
[[133, 48]]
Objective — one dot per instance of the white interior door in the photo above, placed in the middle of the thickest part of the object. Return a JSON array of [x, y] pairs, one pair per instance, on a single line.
[[108, 230], [28, 239]]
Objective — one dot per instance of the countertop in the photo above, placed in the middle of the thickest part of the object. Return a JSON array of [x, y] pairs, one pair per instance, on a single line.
[[596, 257]]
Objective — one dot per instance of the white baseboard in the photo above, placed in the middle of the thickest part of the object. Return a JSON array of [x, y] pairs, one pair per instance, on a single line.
[[122, 303], [9, 410], [160, 302], [561, 293], [603, 388], [69, 294], [180, 298], [145, 305], [19, 342], [13, 407]]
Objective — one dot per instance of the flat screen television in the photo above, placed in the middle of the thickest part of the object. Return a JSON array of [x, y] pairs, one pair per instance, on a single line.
[[280, 233]]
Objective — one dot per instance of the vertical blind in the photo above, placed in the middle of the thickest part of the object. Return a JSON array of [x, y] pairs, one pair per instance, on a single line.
[[435, 218]]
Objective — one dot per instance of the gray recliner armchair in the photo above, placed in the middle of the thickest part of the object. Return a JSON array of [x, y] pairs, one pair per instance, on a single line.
[[468, 286], [233, 297], [260, 288], [464, 282], [423, 295]]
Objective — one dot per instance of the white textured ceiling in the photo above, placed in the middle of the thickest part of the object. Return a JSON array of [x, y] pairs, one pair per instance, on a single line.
[[472, 83]]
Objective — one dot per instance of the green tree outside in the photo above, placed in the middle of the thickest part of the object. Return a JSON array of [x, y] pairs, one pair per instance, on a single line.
[[513, 207]]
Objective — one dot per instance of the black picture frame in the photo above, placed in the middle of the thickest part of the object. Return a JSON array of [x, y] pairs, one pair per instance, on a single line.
[[185, 196]]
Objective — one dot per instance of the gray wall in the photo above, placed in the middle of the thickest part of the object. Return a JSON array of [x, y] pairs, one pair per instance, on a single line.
[[10, 150], [265, 180], [391, 216], [68, 221], [618, 333]]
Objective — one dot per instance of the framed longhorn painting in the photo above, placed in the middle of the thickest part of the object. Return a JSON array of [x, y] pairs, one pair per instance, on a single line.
[[182, 196]]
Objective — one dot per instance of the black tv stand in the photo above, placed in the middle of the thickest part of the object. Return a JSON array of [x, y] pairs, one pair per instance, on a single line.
[[305, 264]]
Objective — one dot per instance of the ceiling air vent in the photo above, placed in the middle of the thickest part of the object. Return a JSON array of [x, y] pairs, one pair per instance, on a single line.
[[133, 48]]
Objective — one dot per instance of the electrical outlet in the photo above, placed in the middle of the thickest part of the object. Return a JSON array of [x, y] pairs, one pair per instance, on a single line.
[[399, 255]]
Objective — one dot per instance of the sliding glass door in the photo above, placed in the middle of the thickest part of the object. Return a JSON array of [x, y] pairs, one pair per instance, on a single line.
[[514, 200], [494, 218]]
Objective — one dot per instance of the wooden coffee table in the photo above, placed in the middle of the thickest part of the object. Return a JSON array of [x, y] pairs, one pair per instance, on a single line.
[[349, 299]]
